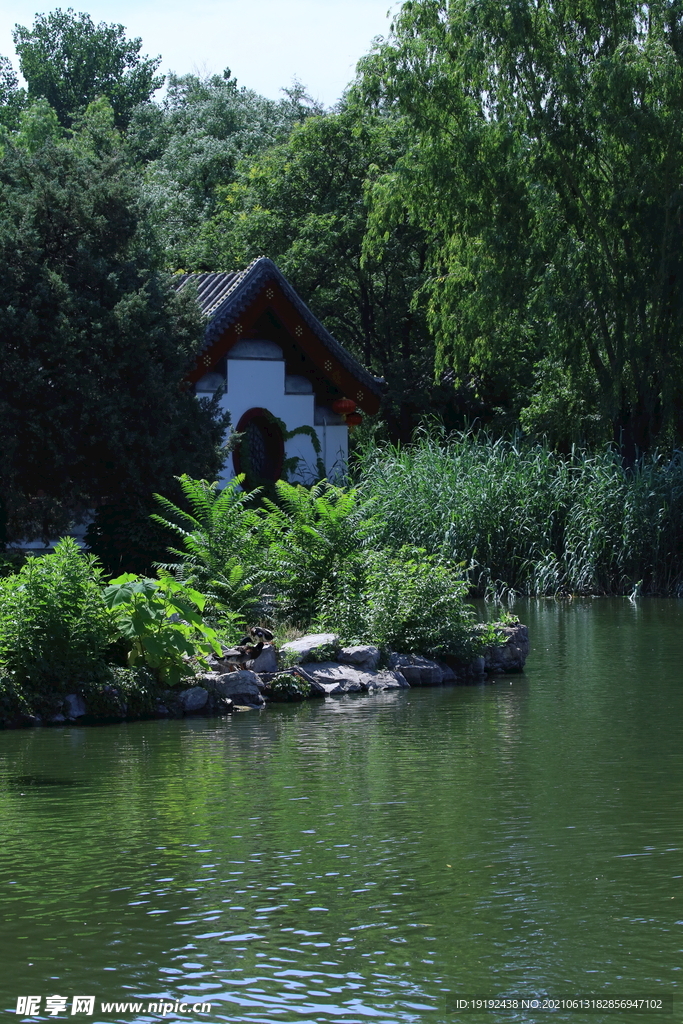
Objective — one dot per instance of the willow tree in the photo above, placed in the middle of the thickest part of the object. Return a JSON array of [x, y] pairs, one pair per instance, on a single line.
[[547, 172]]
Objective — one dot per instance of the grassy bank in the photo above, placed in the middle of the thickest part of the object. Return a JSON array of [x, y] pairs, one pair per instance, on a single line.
[[526, 519]]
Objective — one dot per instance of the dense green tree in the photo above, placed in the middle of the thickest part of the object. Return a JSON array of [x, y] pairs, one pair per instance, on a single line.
[[304, 204], [12, 98], [70, 61], [546, 173], [191, 145], [94, 342]]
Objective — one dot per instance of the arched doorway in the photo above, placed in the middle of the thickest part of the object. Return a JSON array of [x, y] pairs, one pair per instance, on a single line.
[[261, 452]]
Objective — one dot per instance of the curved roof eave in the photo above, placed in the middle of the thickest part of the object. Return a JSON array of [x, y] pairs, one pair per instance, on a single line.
[[223, 305]]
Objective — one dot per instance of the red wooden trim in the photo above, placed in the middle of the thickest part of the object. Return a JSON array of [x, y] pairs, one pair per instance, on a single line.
[[271, 297]]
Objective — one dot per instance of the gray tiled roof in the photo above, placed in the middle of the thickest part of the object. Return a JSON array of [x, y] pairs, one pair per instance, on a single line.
[[223, 296], [211, 288]]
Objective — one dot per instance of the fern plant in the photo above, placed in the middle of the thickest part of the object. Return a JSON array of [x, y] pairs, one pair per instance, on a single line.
[[221, 553], [310, 533]]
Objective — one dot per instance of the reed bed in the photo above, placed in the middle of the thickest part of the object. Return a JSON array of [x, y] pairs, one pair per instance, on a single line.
[[521, 518]]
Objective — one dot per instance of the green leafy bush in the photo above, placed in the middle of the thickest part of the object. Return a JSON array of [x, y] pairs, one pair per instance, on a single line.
[[122, 693], [326, 652], [289, 686], [406, 601], [54, 625], [161, 619], [269, 561]]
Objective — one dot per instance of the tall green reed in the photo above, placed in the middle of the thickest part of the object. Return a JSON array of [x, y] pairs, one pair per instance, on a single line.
[[523, 518]]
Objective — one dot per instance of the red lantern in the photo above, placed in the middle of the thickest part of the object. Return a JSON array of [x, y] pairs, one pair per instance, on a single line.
[[354, 419], [344, 406]]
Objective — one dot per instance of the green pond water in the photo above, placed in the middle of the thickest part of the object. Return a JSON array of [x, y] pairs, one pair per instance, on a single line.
[[366, 859]]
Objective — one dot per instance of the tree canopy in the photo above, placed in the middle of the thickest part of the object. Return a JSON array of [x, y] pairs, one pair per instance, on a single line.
[[94, 342], [490, 218], [190, 146], [12, 98], [70, 61], [546, 172], [305, 203]]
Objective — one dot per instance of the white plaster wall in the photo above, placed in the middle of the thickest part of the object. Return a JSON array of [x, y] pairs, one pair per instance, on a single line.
[[261, 383], [335, 450]]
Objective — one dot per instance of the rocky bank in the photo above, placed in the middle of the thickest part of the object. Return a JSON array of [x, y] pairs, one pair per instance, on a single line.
[[314, 666]]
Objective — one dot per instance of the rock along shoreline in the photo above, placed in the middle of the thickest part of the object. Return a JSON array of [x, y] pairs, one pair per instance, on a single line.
[[322, 667]]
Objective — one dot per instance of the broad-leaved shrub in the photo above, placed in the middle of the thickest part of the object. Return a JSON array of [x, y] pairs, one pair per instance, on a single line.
[[311, 534], [289, 686], [405, 600], [162, 622]]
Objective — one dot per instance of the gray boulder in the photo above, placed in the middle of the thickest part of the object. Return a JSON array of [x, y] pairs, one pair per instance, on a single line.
[[417, 670], [511, 656], [332, 679], [242, 687], [74, 705], [266, 661], [477, 668], [193, 699], [364, 656], [449, 675], [216, 664], [385, 680], [302, 648]]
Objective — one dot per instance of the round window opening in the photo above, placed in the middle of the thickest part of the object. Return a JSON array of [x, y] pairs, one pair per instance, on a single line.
[[260, 453]]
